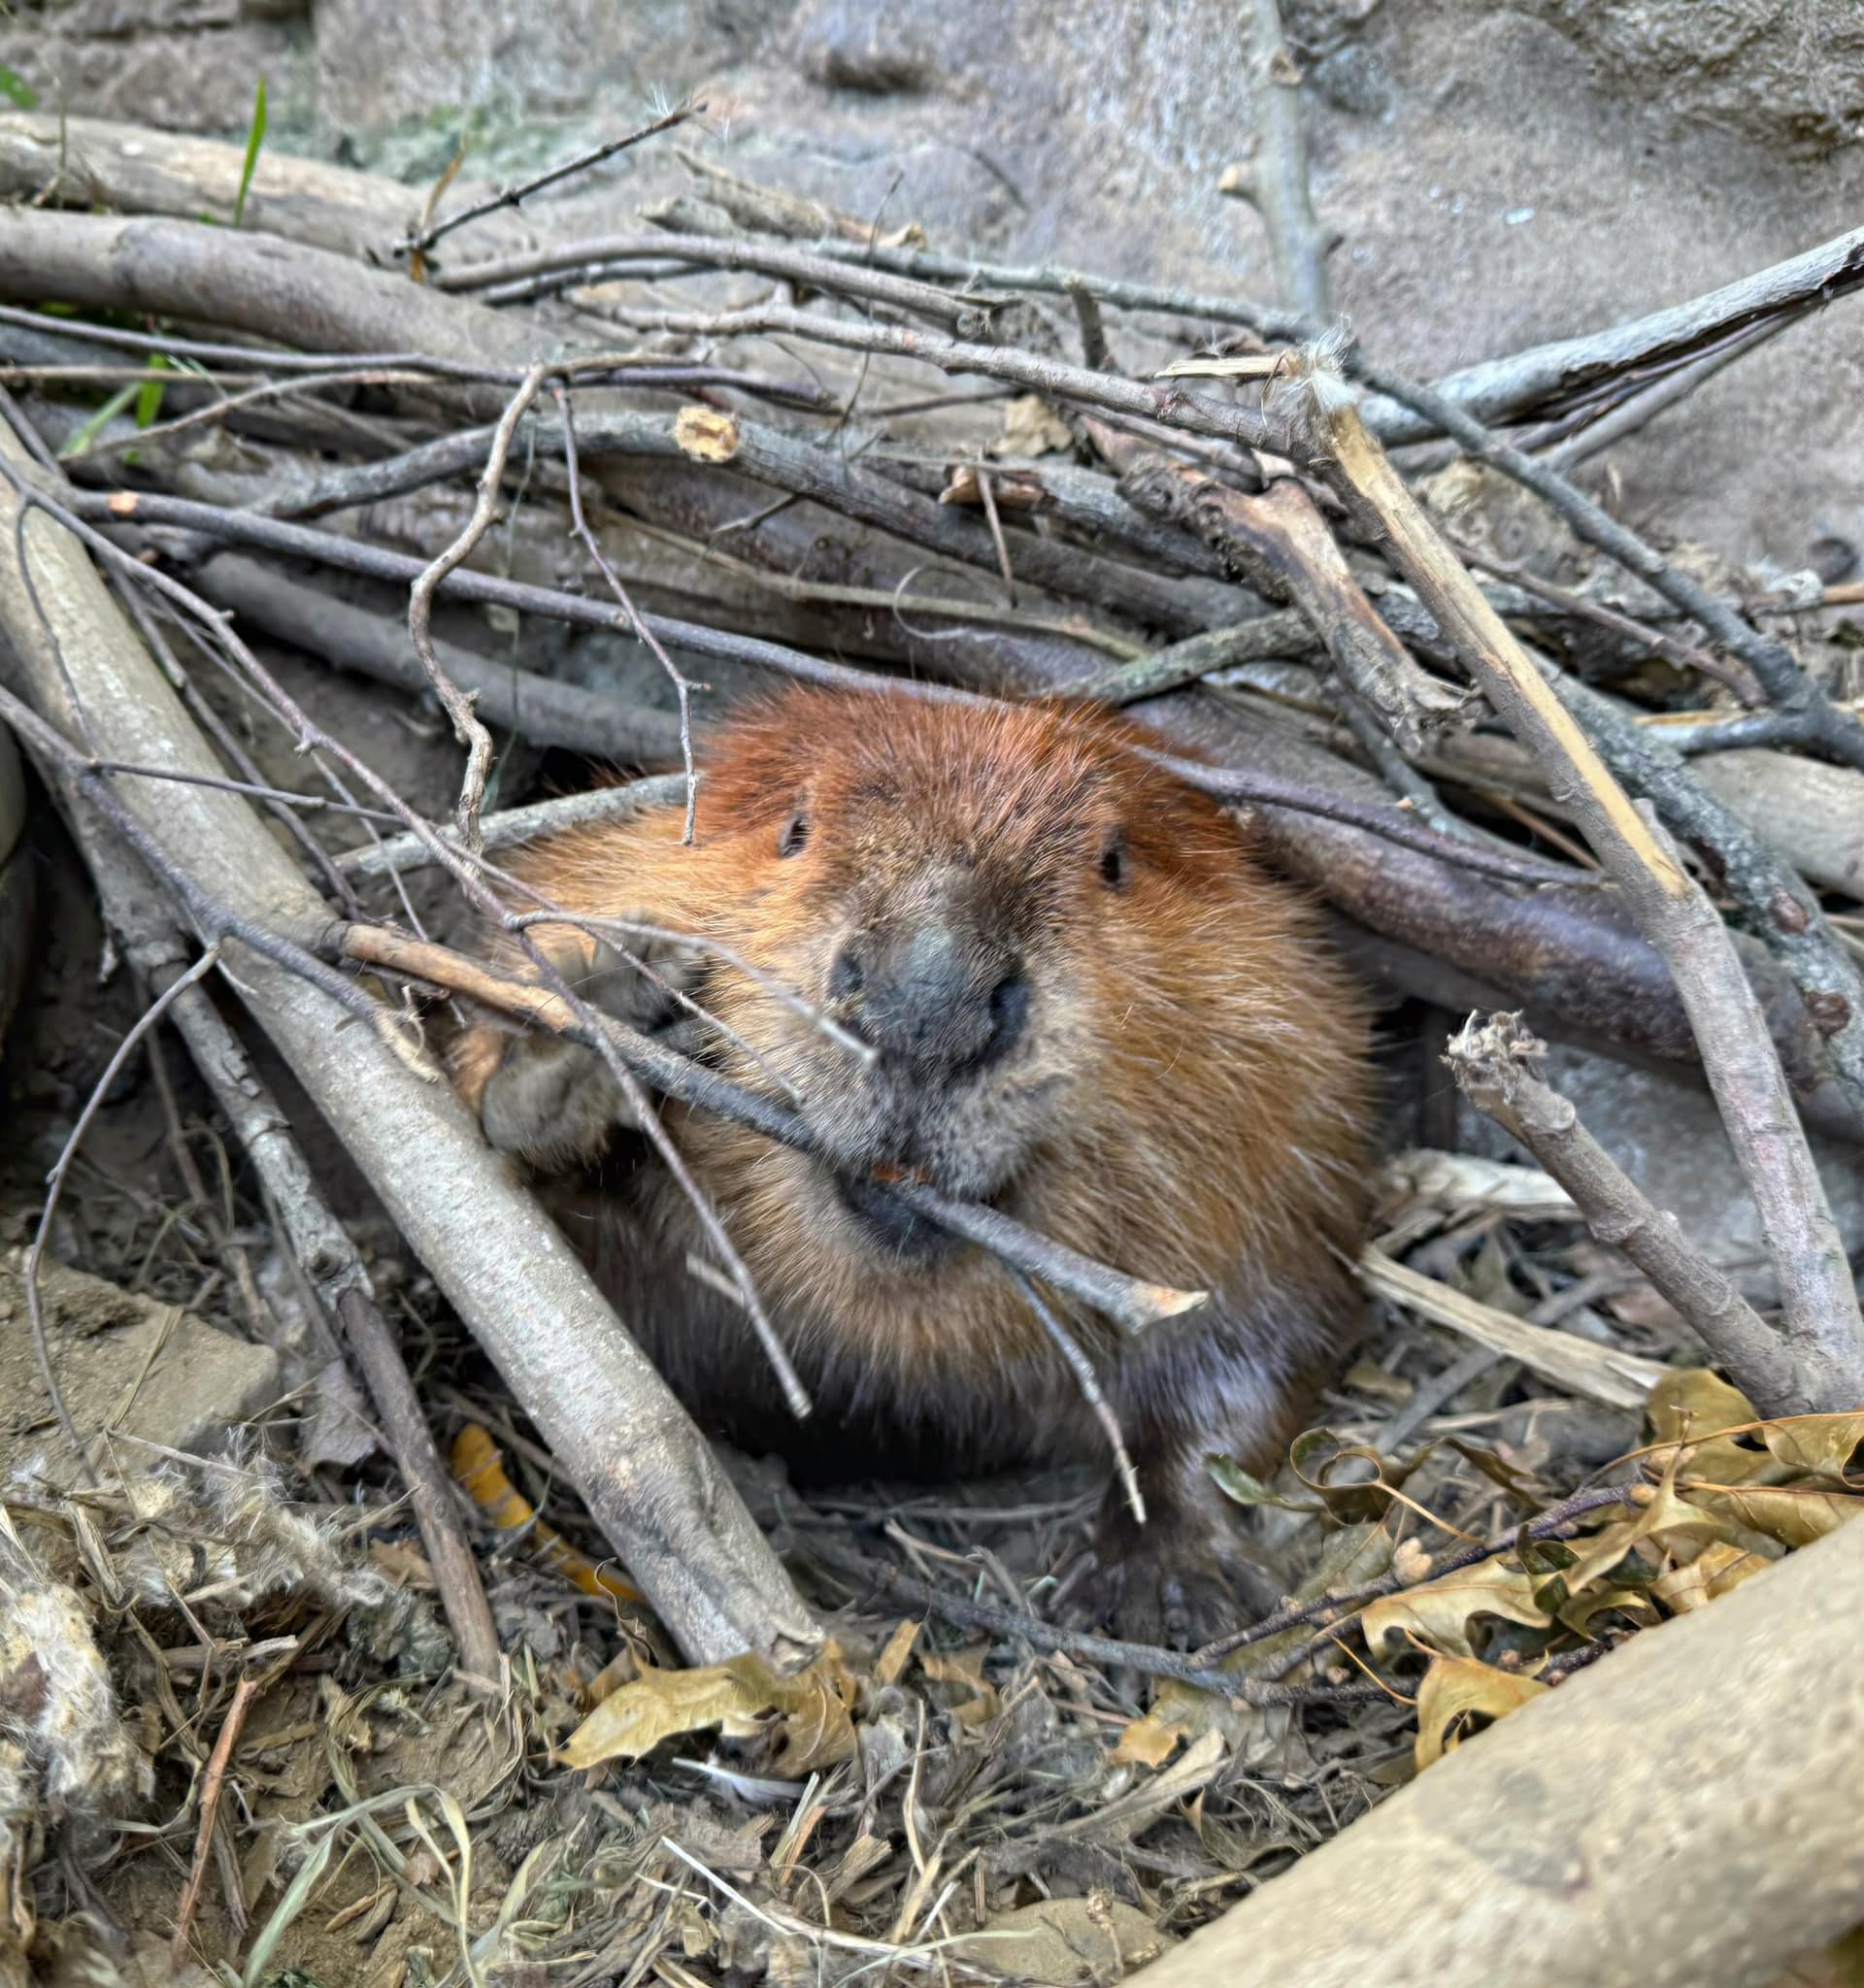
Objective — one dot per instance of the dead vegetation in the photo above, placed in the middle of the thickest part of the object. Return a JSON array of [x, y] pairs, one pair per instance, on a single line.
[[468, 1662]]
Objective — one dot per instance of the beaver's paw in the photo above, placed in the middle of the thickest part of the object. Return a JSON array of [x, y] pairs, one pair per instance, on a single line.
[[552, 1102], [1176, 1582]]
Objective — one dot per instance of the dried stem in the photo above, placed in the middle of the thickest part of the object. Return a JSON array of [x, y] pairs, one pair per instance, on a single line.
[[1275, 181], [1815, 719], [1085, 1379], [54, 1186], [213, 1785], [682, 684], [1492, 1063]]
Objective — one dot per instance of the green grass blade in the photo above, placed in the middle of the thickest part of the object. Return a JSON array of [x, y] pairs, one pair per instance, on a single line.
[[254, 138], [16, 88], [80, 437], [148, 398]]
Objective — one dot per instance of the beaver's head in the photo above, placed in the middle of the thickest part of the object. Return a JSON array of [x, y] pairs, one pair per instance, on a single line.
[[1028, 925]]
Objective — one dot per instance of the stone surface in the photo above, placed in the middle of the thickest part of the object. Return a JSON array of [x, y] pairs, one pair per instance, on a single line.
[[124, 1363]]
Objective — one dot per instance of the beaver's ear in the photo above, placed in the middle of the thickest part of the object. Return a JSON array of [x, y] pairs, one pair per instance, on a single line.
[[756, 770]]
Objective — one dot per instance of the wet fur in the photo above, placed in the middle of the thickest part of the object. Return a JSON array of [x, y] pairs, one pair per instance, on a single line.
[[1188, 1101]]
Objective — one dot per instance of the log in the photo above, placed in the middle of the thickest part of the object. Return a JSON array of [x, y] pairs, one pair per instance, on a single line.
[[1682, 1816]]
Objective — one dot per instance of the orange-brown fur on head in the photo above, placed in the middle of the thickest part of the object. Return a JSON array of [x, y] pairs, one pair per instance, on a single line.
[[1187, 1098]]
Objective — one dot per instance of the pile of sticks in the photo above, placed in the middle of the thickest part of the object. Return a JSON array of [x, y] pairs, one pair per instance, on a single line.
[[1231, 514]]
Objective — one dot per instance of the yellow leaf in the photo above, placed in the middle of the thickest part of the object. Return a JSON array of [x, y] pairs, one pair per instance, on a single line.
[[739, 1697], [1441, 1612], [1691, 1408], [1721, 1565], [1829, 1447], [1457, 1690], [1666, 1520], [1794, 1514], [1150, 1741], [891, 1661]]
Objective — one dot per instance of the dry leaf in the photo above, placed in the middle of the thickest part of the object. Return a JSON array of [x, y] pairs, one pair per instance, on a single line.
[[1691, 1408], [706, 434], [1721, 1565], [1062, 1941], [1828, 1446], [1150, 1741], [1457, 1690], [1009, 489], [1794, 1514], [1442, 1611], [740, 1697], [1031, 427], [891, 1661]]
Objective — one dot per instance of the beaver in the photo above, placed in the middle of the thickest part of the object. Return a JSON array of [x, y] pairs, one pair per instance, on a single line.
[[1078, 996]]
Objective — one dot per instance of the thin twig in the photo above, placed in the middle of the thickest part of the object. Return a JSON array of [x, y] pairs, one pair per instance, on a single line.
[[1108, 1652], [515, 195], [1275, 181], [1082, 1368], [212, 1783], [54, 1186], [1815, 719], [458, 704], [682, 684], [1129, 1302]]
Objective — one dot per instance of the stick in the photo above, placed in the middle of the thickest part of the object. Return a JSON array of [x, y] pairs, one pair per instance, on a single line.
[[512, 826], [1490, 1064], [1601, 1373], [1130, 1302], [603, 257], [1275, 181], [212, 1783], [1278, 541], [54, 1184], [1815, 719], [1821, 1324], [459, 706], [514, 196]]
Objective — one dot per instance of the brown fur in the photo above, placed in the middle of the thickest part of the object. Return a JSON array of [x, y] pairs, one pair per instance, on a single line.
[[1187, 1100]]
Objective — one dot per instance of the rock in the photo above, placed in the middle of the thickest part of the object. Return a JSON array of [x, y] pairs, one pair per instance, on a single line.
[[1789, 76], [124, 1363]]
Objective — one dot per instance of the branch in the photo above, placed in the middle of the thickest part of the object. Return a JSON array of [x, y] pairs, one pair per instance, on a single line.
[[1817, 722], [417, 243], [1279, 542], [649, 1481], [1275, 181], [1818, 1297], [1490, 1064], [1131, 1303]]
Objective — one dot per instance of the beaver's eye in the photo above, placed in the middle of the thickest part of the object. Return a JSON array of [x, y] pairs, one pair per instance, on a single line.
[[794, 835], [1116, 865]]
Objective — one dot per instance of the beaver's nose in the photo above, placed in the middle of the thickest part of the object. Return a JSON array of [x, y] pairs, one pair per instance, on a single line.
[[931, 993]]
